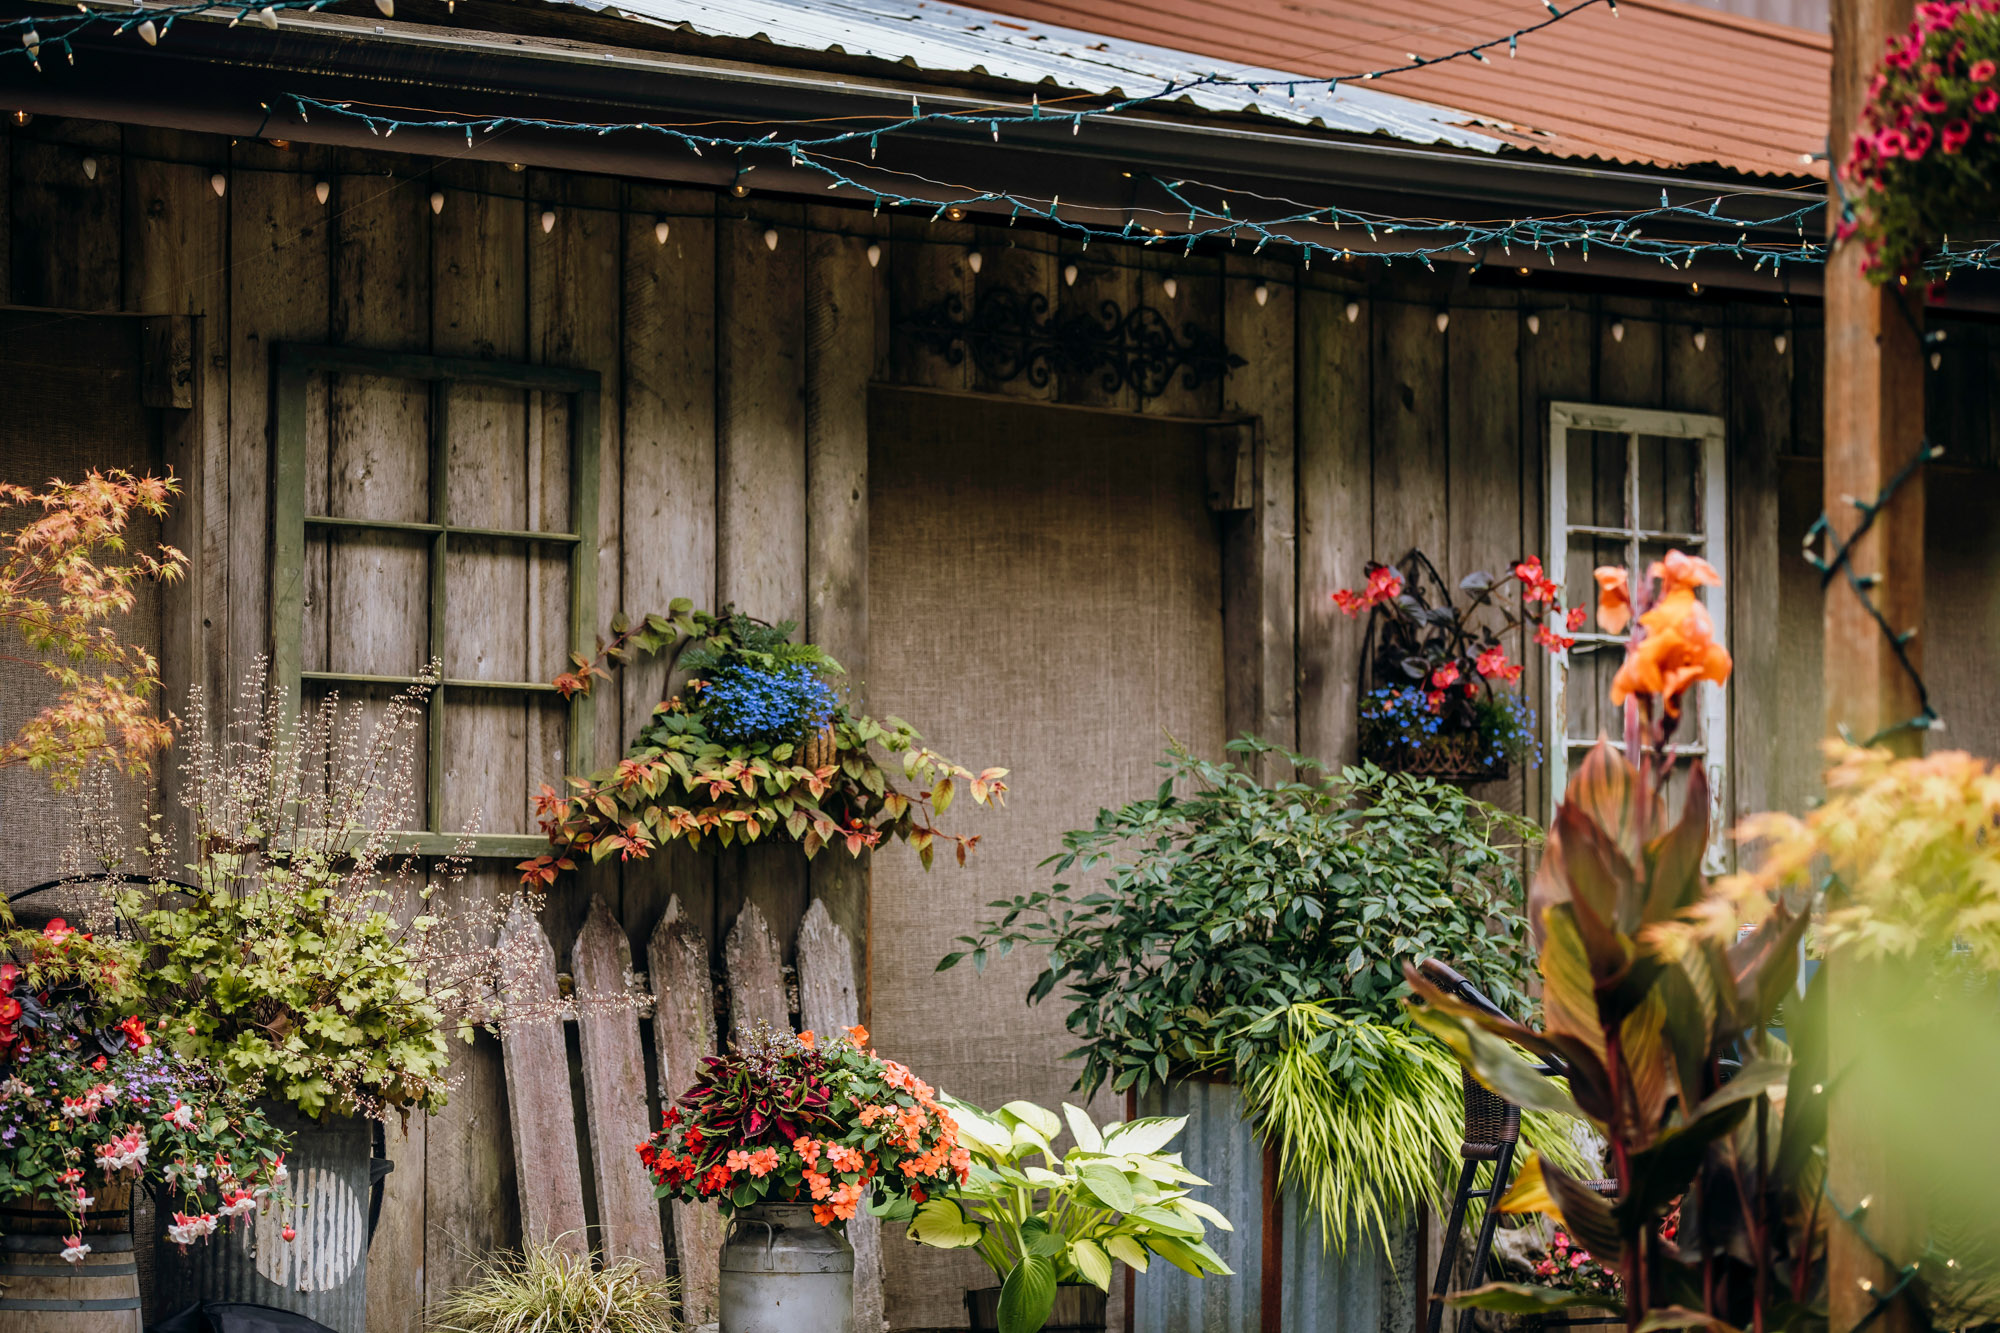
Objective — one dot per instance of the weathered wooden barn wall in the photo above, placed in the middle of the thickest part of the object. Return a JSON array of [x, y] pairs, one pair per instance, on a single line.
[[735, 455]]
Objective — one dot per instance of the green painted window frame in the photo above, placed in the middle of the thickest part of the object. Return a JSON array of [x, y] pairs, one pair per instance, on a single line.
[[295, 366]]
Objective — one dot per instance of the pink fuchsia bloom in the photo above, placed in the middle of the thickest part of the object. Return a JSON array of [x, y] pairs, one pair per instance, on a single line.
[[188, 1228], [74, 1249], [182, 1114]]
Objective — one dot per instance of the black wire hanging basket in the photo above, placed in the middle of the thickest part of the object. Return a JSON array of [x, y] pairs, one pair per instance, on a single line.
[[1447, 745]]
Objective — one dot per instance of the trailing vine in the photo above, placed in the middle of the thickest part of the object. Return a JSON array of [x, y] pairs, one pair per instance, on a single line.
[[756, 743]]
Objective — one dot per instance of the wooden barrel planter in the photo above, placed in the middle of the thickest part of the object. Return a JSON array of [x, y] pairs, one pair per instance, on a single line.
[[45, 1293]]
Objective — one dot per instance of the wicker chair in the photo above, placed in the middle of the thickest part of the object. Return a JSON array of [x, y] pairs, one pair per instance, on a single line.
[[1492, 1132]]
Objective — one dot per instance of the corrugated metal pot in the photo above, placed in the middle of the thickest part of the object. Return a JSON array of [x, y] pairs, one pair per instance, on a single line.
[[1079, 1308], [782, 1272], [323, 1272]]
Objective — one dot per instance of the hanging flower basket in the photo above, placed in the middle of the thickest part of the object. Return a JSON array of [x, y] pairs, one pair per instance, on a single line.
[[1431, 668], [1926, 158]]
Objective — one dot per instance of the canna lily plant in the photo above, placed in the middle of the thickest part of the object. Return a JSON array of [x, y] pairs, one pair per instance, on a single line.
[[1660, 990]]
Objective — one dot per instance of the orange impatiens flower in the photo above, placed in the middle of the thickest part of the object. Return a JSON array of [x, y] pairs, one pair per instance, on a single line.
[[1614, 599], [1678, 650]]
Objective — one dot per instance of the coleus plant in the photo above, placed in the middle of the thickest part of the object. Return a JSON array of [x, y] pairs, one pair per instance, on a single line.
[[1660, 989], [798, 1119], [755, 744]]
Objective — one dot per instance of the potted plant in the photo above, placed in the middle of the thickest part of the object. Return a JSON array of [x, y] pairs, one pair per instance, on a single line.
[[791, 1136], [1432, 667], [755, 744], [91, 1105], [1050, 1232], [549, 1289], [297, 954], [1254, 931]]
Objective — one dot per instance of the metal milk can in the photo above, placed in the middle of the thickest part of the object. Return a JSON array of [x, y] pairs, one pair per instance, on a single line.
[[782, 1272]]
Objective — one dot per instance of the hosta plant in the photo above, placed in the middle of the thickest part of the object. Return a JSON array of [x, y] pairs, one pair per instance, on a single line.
[[1660, 990], [801, 1119], [1926, 157], [755, 744], [1041, 1219]]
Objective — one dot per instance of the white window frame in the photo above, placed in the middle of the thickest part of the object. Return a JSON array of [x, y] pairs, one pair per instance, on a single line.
[[1712, 544]]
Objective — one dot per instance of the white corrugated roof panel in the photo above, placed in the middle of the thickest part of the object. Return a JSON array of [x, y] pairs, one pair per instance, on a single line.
[[935, 36]]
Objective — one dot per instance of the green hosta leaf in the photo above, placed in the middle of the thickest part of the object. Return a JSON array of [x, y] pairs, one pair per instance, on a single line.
[[1129, 1252], [1045, 1122], [1108, 1183], [941, 1224], [1522, 1298], [1147, 1135], [1093, 1263], [1028, 1295]]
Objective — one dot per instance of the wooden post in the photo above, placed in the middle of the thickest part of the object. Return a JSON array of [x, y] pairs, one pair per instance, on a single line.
[[1874, 425]]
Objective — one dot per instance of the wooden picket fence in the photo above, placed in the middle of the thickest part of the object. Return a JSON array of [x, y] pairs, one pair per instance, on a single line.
[[609, 1000]]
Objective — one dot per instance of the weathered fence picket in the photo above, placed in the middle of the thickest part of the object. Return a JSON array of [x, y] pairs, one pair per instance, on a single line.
[[538, 1099], [828, 1003], [614, 1090], [684, 1032], [756, 976]]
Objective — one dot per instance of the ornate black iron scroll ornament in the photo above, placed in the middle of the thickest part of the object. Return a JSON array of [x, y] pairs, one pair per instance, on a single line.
[[1009, 335]]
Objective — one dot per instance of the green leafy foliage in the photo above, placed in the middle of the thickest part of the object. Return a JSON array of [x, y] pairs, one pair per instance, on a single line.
[[1368, 1118], [1116, 1194], [1221, 901], [696, 773]]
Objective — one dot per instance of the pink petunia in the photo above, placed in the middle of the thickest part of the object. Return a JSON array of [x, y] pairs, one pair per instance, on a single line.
[[1986, 101], [1921, 139], [1955, 135], [1982, 71], [1932, 101]]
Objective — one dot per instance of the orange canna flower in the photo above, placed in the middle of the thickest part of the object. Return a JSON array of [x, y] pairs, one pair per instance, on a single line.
[[1681, 572], [1679, 649], [1614, 599]]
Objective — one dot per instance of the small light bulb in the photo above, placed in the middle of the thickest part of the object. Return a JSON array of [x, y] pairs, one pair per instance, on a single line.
[[1937, 359], [1701, 340], [1443, 320], [437, 202], [517, 166], [149, 33], [548, 220], [660, 230], [874, 255], [975, 261], [1522, 271], [770, 238], [1353, 311], [322, 189], [1534, 323], [739, 189], [268, 16], [21, 117], [218, 183], [1261, 293], [1618, 330], [955, 213], [90, 168], [1069, 275], [388, 8]]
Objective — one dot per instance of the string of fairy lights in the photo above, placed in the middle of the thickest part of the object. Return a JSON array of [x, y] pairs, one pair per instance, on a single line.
[[1180, 212]]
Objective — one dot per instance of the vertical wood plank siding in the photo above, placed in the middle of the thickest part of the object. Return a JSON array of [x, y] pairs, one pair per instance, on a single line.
[[734, 467]]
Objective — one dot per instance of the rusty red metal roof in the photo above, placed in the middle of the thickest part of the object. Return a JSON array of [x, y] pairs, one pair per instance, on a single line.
[[1659, 82]]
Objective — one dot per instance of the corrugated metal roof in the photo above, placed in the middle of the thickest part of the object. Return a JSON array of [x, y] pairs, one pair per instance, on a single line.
[[1664, 83], [936, 36]]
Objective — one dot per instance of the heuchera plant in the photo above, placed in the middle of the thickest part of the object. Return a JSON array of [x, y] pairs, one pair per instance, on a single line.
[[89, 1100], [1926, 157], [1435, 662], [1659, 993], [794, 1119], [754, 745]]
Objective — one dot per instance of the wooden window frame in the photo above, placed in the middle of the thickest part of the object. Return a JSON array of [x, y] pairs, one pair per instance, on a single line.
[[1712, 544], [295, 365]]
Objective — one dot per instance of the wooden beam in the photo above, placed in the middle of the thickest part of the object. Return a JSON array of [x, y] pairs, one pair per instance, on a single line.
[[1874, 425]]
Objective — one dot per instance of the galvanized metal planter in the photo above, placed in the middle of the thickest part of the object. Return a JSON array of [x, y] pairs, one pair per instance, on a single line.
[[1285, 1279], [782, 1272], [323, 1272]]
